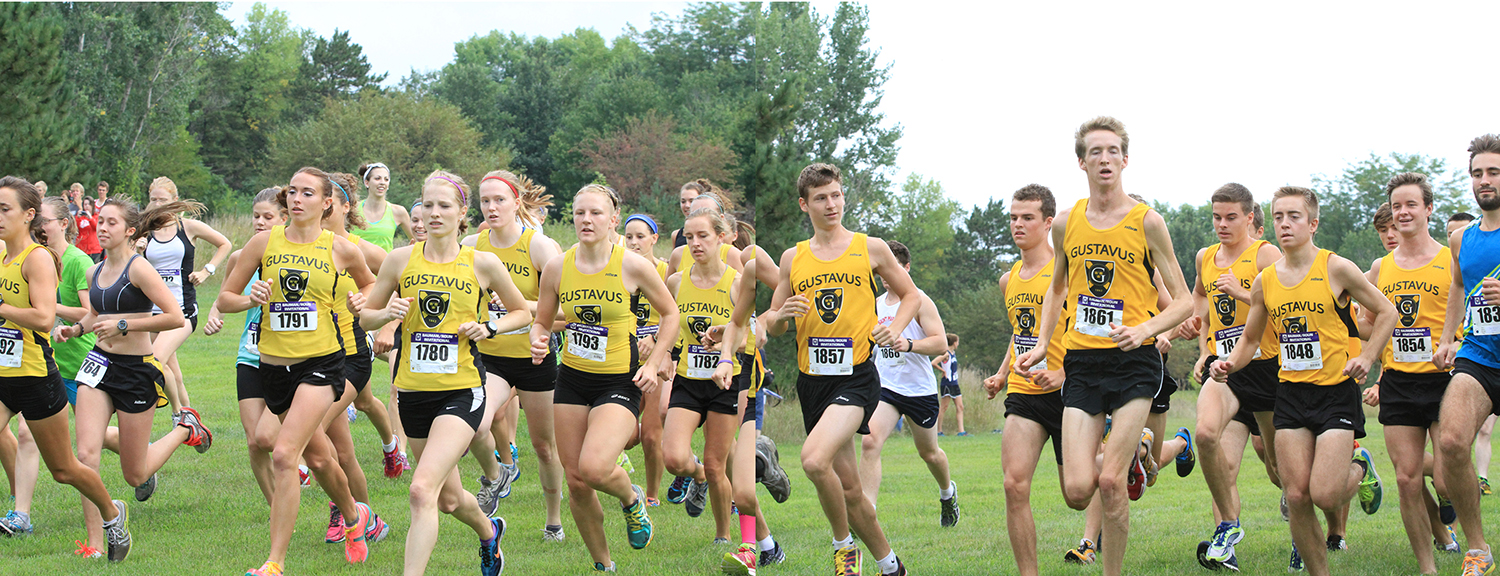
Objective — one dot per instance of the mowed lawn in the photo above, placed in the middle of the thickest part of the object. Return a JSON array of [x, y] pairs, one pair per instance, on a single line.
[[209, 518]]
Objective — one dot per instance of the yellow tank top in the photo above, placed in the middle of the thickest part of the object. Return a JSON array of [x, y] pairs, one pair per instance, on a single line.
[[1227, 316], [648, 319], [601, 327], [355, 343], [23, 351], [699, 309], [1023, 305], [834, 336], [301, 318], [436, 356], [1312, 329], [517, 260], [1109, 277], [1421, 297]]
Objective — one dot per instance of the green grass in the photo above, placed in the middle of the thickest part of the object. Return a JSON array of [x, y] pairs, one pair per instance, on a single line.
[[208, 517]]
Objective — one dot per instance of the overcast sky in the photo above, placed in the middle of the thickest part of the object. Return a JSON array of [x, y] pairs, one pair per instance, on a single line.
[[1264, 94]]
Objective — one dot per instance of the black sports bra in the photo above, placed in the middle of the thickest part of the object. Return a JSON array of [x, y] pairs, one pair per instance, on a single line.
[[122, 297]]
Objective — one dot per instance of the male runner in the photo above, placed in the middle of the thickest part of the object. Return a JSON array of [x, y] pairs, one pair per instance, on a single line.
[[1475, 388], [1111, 245], [1482, 447]]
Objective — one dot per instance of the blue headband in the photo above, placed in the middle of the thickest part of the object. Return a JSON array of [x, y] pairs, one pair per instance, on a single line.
[[643, 218], [341, 189]]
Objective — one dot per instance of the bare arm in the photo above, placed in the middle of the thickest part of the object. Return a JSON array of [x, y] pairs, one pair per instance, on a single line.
[[404, 219], [884, 263], [1447, 348], [1255, 327], [1052, 303], [936, 340], [230, 299], [41, 278], [384, 290], [496, 279], [1353, 282], [222, 247], [1160, 245]]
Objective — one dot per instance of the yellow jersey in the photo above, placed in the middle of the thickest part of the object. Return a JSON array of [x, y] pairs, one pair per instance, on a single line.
[[437, 356], [1227, 316], [699, 309], [1312, 328], [648, 319], [1109, 277], [834, 336], [601, 327], [353, 335], [1421, 296], [517, 260], [23, 351], [301, 318], [1023, 306]]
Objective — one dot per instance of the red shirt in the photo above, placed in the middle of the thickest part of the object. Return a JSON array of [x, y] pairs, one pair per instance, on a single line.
[[88, 233]]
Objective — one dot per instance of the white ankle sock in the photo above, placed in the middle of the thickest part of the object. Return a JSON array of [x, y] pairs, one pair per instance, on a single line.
[[846, 542], [768, 543], [887, 564], [948, 492]]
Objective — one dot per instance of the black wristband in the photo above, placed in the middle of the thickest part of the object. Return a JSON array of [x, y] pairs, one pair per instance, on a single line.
[[909, 345]]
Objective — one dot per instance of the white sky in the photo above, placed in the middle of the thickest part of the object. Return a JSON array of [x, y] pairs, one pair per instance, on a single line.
[[1264, 94]]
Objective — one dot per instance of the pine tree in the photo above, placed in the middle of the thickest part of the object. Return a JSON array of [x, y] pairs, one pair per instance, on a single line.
[[43, 135]]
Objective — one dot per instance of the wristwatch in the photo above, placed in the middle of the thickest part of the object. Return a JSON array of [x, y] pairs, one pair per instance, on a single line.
[[124, 329], [210, 269]]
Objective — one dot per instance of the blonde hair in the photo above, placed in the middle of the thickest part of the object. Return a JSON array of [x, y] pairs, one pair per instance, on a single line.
[[721, 223], [614, 197], [460, 190], [1101, 123], [1307, 195], [164, 183], [529, 195], [61, 207], [347, 192]]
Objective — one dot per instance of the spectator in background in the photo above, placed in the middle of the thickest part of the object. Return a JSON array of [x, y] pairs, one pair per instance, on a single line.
[[74, 195], [41, 188], [103, 191], [88, 230]]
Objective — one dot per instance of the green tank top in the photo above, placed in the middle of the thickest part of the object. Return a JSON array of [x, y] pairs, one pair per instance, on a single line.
[[381, 232]]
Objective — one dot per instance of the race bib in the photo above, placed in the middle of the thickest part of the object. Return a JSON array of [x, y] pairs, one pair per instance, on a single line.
[[644, 331], [93, 369], [1301, 351], [1095, 315], [497, 311], [1225, 340], [1023, 344], [701, 362], [294, 316], [1412, 345], [12, 347], [434, 353], [1484, 319], [587, 341], [888, 357], [172, 276], [252, 343], [830, 356]]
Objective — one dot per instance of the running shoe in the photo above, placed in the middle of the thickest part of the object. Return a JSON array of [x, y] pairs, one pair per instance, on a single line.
[[960, 434], [1232, 564], [1337, 543], [623, 460], [91, 552], [146, 489], [846, 561], [1135, 478], [268, 569], [1221, 547], [678, 490], [775, 555], [198, 435], [652, 502], [1152, 466], [1452, 545], [489, 492], [15, 524], [1446, 513], [515, 454], [1203, 556], [553, 534], [1484, 486], [769, 471], [1295, 564], [117, 535], [600, 567], [637, 522], [491, 557], [741, 562], [304, 476], [395, 463], [1083, 554], [720, 540], [900, 566], [1369, 487], [697, 498], [511, 472], [335, 532], [406, 462], [1478, 563], [1188, 457], [950, 507], [352, 413], [377, 529], [355, 548]]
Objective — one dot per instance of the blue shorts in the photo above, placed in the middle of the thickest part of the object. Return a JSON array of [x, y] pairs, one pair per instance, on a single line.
[[71, 387]]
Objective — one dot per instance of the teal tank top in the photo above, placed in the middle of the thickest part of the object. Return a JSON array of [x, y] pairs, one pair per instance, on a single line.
[[250, 339], [381, 232]]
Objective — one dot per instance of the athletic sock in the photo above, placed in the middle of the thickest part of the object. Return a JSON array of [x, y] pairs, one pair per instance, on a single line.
[[116, 520], [768, 543], [845, 543], [947, 493], [887, 564], [747, 528], [389, 447]]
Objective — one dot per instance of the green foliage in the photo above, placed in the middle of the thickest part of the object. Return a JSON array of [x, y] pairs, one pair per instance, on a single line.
[[647, 157], [978, 317], [1348, 203], [36, 107], [921, 218], [335, 69], [1192, 229], [982, 250]]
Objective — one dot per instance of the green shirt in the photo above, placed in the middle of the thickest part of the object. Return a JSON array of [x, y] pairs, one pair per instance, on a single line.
[[69, 355], [381, 232]]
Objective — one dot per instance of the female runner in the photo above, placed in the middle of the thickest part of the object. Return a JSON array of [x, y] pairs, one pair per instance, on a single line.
[[301, 357], [30, 385], [261, 427], [685, 198], [439, 374], [509, 202], [119, 377], [600, 383], [170, 250], [385, 344], [640, 237], [383, 216]]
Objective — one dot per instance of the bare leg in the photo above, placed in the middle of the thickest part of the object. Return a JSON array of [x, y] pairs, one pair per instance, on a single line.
[[1465, 408], [51, 434], [300, 439], [1119, 450], [253, 415], [652, 418], [1020, 451], [1483, 448], [28, 468], [379, 416], [881, 426], [1217, 405], [436, 487], [828, 461], [930, 453], [589, 442], [958, 410], [1407, 446], [718, 440], [8, 447], [539, 424], [164, 347]]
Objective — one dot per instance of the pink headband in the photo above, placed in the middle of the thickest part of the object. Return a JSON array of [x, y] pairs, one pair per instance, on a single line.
[[462, 197], [512, 186]]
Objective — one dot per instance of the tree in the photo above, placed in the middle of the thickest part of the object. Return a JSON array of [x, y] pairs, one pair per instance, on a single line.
[[982, 249], [1347, 203], [335, 69], [648, 155], [920, 217], [38, 119]]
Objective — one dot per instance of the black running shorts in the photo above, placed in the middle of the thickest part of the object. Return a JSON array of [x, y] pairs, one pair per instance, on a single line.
[[860, 388], [1408, 399], [920, 410], [280, 382], [420, 408], [1320, 408], [1101, 381], [594, 390], [521, 374]]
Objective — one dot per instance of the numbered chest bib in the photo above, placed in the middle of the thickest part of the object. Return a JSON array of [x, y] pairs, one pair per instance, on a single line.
[[91, 373], [12, 347], [172, 276], [701, 362], [497, 312], [587, 341], [1023, 344], [888, 357], [1484, 319], [1412, 345], [294, 316], [644, 331], [252, 343], [1301, 351], [434, 353], [1225, 340], [1095, 315], [830, 356]]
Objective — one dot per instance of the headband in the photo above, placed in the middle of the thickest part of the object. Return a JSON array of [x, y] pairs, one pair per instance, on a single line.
[[643, 218], [712, 197], [507, 183], [373, 166], [341, 189], [462, 197], [415, 205]]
